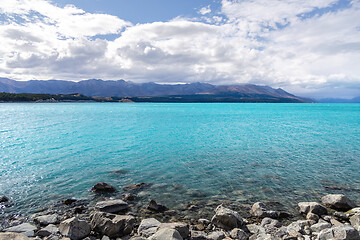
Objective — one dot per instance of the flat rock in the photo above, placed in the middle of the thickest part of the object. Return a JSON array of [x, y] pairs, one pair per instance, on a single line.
[[47, 219], [26, 228], [148, 227], [166, 234], [74, 228], [320, 226], [338, 202], [226, 218], [12, 236], [355, 221], [47, 231], [181, 227], [111, 206], [345, 232], [259, 209], [103, 187], [112, 225], [312, 207]]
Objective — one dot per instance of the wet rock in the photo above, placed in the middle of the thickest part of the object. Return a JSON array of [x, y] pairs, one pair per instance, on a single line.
[[74, 228], [12, 236], [181, 227], [128, 197], [112, 225], [239, 234], [4, 199], [148, 227], [299, 228], [111, 206], [338, 202], [166, 234], [320, 226], [355, 221], [135, 187], [217, 235], [198, 235], [345, 232], [226, 219], [26, 229], [313, 207], [69, 201], [154, 206], [47, 219], [102, 187], [47, 231], [259, 209]]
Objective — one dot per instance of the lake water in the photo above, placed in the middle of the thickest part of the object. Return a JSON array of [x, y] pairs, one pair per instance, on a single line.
[[241, 152]]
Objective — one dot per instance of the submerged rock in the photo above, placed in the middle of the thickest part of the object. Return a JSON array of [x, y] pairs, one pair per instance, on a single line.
[[226, 219], [4, 199], [259, 209], [338, 201], [112, 206], [128, 197], [103, 187], [154, 206], [135, 187], [74, 228], [112, 225], [69, 201]]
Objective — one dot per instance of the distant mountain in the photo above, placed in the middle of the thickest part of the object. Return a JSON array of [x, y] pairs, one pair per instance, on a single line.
[[121, 88], [340, 100]]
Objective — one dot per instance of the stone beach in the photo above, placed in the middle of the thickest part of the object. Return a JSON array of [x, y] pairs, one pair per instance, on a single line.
[[126, 217]]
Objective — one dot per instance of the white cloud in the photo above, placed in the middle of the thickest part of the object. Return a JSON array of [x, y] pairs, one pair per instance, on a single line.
[[205, 10], [257, 41]]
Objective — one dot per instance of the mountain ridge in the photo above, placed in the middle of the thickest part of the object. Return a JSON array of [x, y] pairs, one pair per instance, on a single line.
[[122, 88]]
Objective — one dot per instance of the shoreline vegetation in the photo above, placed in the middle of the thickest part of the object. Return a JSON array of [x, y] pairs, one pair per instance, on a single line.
[[114, 217], [197, 98]]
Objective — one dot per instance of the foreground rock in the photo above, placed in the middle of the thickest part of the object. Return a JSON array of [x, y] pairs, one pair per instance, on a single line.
[[13, 236], [166, 234], [312, 207], [355, 221], [47, 231], [338, 201], [112, 206], [74, 228], [227, 219], [345, 232], [26, 229], [112, 225], [259, 209], [148, 227], [182, 228], [102, 187]]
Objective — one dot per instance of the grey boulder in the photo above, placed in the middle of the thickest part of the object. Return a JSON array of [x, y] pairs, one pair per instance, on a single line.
[[226, 219], [47, 219], [345, 232], [355, 221], [312, 207], [166, 234], [181, 227], [217, 235], [26, 229], [12, 236], [338, 201], [320, 226], [148, 227], [111, 206], [259, 209], [74, 228], [239, 234], [47, 231]]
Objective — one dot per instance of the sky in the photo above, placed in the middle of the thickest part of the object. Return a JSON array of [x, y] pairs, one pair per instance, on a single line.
[[309, 48]]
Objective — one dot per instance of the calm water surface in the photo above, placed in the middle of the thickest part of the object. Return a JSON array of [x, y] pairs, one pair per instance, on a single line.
[[241, 152]]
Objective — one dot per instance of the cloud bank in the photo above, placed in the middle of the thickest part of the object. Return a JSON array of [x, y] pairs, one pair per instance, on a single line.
[[311, 48]]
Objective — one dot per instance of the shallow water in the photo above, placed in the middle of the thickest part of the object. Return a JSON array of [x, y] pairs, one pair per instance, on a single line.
[[241, 152]]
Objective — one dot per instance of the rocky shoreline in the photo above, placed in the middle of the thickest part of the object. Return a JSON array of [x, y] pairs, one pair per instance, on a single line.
[[336, 217]]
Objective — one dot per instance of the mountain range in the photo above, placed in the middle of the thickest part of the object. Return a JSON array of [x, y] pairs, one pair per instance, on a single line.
[[121, 88]]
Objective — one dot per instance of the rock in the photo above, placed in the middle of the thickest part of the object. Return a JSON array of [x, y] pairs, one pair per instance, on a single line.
[[355, 221], [26, 229], [4, 199], [111, 206], [69, 201], [216, 235], [138, 238], [135, 187], [148, 227], [259, 209], [335, 222], [13, 236], [312, 216], [102, 187], [270, 225], [47, 219], [47, 231], [154, 206], [74, 228], [112, 225], [320, 226], [353, 211], [338, 202], [182, 228], [166, 234], [57, 237], [79, 209], [298, 228], [198, 235], [239, 234], [128, 197], [226, 219], [345, 232], [105, 238], [313, 207]]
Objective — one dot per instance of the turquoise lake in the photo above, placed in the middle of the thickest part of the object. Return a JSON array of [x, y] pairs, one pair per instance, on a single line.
[[241, 152]]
